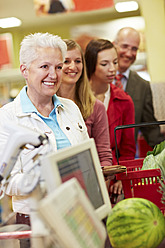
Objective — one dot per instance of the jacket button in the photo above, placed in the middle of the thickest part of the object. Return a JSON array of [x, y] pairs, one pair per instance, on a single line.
[[67, 128], [79, 126]]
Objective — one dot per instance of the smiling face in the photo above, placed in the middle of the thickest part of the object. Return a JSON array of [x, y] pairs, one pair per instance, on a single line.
[[106, 66], [43, 77], [72, 68], [127, 46]]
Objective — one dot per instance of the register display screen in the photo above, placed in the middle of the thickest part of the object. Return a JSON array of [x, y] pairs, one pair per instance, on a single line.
[[81, 166]]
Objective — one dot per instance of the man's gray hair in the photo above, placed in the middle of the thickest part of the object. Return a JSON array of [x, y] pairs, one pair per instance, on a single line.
[[30, 43]]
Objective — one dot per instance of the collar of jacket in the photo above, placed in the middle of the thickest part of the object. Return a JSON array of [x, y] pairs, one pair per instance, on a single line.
[[19, 113], [117, 93]]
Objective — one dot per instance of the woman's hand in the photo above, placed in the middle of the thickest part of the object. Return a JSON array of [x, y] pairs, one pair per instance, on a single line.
[[116, 188]]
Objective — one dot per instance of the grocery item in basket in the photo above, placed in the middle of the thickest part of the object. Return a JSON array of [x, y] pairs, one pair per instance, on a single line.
[[134, 223], [155, 158]]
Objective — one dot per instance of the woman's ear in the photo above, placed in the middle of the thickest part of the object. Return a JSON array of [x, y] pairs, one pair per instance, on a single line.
[[24, 70]]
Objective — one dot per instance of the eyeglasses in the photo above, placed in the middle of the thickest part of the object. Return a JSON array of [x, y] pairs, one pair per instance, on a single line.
[[126, 47]]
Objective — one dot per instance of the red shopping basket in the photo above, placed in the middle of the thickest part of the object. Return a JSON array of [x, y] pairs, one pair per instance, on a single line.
[[141, 183]]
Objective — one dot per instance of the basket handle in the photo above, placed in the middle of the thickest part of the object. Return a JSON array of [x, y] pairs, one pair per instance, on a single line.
[[145, 124]]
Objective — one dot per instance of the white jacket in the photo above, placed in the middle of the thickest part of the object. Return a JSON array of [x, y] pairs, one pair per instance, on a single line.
[[70, 121]]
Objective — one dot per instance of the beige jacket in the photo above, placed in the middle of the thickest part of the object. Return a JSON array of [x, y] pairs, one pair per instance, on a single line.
[[70, 121]]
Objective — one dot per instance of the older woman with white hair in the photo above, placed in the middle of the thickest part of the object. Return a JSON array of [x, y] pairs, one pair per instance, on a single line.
[[37, 107]]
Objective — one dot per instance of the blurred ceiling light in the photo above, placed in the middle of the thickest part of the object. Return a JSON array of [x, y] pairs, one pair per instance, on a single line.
[[10, 22], [126, 6]]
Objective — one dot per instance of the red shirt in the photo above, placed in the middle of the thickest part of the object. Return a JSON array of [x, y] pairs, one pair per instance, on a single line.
[[121, 112]]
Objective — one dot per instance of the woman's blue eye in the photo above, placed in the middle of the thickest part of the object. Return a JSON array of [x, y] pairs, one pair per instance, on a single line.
[[59, 67], [66, 61], [78, 61], [44, 66]]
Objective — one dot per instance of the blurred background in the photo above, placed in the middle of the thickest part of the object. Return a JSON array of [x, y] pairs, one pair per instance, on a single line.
[[80, 20]]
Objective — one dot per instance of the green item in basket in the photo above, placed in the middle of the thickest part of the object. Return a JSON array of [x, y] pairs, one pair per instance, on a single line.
[[156, 158]]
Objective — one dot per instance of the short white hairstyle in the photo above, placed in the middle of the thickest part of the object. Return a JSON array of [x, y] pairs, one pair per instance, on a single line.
[[30, 43]]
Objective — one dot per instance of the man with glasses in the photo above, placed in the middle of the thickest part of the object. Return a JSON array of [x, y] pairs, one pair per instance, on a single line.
[[127, 43]]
